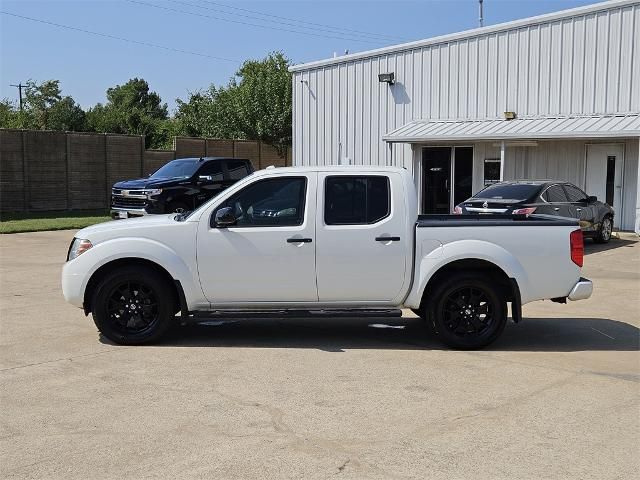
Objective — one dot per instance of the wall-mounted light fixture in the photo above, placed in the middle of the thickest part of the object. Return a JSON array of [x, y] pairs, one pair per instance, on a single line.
[[387, 78], [509, 115]]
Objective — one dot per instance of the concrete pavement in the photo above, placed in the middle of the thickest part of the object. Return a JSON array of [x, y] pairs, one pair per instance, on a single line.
[[556, 397]]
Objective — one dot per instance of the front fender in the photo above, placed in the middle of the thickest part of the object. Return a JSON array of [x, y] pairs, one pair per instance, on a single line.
[[78, 272], [438, 258]]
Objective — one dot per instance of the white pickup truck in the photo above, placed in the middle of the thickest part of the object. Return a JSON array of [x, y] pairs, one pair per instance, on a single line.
[[322, 238]]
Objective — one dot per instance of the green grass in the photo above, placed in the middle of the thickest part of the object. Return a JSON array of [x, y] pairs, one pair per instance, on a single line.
[[58, 220]]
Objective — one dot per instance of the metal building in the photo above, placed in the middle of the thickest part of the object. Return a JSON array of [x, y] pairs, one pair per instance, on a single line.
[[554, 96]]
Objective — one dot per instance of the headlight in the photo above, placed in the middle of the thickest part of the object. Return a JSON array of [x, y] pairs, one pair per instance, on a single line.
[[78, 247], [152, 192]]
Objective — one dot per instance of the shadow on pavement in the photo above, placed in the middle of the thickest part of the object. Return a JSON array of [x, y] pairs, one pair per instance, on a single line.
[[339, 334], [592, 247]]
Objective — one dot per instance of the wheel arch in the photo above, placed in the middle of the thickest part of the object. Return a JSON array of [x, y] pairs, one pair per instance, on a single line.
[[113, 265], [508, 285]]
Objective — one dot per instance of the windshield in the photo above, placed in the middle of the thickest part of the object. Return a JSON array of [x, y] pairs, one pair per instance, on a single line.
[[177, 168], [514, 191]]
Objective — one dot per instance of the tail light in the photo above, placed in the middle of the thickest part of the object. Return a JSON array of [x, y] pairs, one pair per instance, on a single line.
[[524, 211], [577, 247], [457, 210]]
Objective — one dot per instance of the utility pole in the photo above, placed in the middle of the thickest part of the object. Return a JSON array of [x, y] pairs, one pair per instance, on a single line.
[[481, 16], [20, 86]]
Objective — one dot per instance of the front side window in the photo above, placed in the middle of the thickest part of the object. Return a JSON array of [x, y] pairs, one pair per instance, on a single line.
[[356, 200], [212, 169], [277, 202]]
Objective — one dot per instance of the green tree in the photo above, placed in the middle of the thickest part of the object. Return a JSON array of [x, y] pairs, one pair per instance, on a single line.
[[44, 108], [262, 101], [132, 109], [256, 105]]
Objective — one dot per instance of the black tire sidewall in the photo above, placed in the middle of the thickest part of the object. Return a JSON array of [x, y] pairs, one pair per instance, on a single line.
[[455, 282], [164, 294]]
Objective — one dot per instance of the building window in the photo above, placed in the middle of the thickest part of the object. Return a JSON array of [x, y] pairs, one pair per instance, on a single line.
[[491, 171]]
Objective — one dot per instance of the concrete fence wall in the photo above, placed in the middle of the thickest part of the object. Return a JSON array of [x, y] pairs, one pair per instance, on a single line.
[[41, 170]]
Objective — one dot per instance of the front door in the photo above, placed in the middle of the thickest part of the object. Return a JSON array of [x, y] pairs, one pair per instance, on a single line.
[[604, 175], [269, 255], [436, 180]]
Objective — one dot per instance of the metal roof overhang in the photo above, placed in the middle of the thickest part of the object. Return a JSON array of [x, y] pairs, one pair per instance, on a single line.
[[585, 126]]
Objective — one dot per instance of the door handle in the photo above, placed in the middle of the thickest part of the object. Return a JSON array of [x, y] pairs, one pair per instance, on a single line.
[[299, 240], [387, 239]]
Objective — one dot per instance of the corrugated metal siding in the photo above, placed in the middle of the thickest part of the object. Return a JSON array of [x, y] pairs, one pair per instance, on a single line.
[[583, 64]]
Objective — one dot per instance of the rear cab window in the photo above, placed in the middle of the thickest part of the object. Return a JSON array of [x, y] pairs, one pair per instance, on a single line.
[[356, 200]]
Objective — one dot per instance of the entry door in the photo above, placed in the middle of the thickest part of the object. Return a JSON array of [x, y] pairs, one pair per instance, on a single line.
[[364, 238], [269, 255], [436, 184], [604, 175]]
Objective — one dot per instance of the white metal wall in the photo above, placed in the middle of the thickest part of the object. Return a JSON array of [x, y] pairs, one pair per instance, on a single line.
[[583, 63]]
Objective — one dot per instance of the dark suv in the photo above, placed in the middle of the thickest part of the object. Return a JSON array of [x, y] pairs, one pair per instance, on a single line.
[[179, 186]]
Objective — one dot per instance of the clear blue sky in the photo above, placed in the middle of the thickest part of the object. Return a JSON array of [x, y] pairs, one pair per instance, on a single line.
[[87, 65]]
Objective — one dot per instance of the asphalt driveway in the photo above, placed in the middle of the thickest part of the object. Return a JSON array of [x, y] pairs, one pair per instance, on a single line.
[[558, 396]]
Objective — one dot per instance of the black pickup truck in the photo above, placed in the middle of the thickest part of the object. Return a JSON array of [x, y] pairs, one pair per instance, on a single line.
[[180, 185]]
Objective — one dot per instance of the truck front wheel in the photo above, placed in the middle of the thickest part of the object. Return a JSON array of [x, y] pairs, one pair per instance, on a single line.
[[468, 311], [133, 306]]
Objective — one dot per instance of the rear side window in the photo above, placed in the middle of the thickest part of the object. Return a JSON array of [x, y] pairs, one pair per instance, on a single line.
[[356, 200], [237, 169], [555, 194]]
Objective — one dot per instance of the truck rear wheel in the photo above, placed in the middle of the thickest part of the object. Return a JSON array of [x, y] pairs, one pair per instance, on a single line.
[[133, 306], [468, 311]]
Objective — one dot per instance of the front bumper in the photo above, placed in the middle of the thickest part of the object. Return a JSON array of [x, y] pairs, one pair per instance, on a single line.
[[581, 290]]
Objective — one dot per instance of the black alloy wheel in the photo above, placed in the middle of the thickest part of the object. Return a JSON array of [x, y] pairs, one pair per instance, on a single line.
[[468, 310], [134, 305], [132, 308]]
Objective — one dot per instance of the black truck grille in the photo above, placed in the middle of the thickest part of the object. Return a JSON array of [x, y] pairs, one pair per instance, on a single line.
[[118, 201]]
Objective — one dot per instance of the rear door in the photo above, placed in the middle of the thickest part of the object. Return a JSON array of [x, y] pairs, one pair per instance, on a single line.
[[362, 246]]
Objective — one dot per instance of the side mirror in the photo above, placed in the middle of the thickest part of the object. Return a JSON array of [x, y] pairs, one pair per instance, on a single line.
[[205, 178], [225, 217], [592, 199]]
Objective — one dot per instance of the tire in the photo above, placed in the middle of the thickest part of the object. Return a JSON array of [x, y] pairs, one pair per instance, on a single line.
[[604, 232], [468, 311], [134, 305], [178, 207]]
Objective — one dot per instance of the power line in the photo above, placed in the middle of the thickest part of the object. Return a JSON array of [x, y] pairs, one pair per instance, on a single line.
[[297, 23], [240, 22], [123, 39]]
